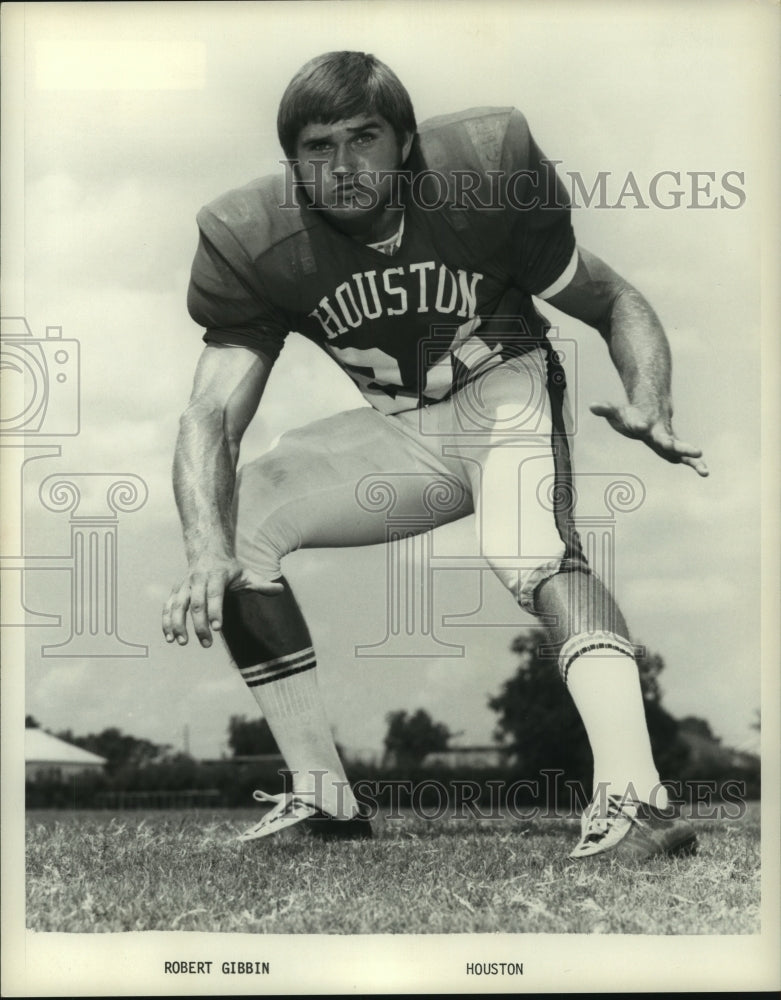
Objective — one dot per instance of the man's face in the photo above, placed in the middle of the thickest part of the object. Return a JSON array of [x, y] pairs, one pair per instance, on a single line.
[[347, 166]]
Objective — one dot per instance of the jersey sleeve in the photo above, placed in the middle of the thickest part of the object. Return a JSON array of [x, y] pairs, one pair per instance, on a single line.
[[543, 239], [225, 295]]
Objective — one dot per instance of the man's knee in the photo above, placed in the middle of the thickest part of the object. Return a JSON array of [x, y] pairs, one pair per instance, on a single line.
[[263, 532], [523, 578]]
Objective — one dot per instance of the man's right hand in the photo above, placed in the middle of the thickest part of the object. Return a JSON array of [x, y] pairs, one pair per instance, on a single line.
[[202, 591]]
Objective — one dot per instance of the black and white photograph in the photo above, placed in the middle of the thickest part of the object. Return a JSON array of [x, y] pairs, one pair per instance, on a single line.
[[389, 447]]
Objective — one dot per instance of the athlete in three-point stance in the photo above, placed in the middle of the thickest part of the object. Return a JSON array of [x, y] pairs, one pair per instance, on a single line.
[[412, 256]]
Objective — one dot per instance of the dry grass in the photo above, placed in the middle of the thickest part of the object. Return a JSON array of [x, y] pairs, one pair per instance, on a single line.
[[185, 871]]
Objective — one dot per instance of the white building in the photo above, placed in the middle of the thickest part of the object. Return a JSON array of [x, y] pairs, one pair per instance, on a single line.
[[46, 756]]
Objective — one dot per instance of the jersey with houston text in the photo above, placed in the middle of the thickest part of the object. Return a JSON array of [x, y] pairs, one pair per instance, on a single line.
[[486, 226]]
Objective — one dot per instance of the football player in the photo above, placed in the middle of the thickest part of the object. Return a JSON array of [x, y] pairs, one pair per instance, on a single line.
[[412, 257]]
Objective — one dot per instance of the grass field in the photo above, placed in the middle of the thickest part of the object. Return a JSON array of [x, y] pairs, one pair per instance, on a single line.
[[98, 871]]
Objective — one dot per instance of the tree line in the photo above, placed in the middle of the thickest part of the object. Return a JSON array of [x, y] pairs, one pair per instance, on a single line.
[[538, 730]]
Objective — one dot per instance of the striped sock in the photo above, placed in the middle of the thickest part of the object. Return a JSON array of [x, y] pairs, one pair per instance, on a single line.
[[280, 668], [605, 687], [271, 646]]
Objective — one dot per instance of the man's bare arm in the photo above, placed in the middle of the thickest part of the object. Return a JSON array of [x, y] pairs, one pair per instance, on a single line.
[[638, 348], [228, 385]]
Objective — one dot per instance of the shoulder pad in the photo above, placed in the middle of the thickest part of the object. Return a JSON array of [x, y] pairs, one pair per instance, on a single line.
[[259, 217], [472, 139]]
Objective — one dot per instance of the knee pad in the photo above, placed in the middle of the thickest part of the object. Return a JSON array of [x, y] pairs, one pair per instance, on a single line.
[[264, 532], [261, 546]]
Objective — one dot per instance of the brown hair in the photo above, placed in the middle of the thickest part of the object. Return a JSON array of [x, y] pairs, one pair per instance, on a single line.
[[340, 85]]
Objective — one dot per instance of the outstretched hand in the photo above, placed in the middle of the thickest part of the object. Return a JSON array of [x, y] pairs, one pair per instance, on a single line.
[[202, 591], [657, 433]]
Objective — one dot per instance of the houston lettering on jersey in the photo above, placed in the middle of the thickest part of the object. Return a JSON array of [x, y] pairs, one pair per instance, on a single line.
[[370, 295], [454, 300]]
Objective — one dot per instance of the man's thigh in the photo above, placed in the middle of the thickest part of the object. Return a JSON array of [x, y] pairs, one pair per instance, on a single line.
[[515, 445], [506, 435], [337, 482]]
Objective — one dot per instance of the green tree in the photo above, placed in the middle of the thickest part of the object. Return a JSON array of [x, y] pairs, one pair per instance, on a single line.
[[537, 717], [698, 727], [250, 737], [410, 737]]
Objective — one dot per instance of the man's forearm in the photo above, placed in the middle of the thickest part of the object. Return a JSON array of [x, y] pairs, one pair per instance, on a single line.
[[639, 350], [204, 477]]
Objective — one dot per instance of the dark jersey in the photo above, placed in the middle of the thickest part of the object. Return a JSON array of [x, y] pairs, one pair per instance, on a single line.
[[486, 226]]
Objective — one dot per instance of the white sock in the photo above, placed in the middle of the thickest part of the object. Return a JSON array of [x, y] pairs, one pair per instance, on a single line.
[[293, 708], [605, 686]]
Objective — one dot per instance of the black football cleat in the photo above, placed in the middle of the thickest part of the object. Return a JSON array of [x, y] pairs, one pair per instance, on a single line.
[[626, 830], [290, 810], [325, 827]]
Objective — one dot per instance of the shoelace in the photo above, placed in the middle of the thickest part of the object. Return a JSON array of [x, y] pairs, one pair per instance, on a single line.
[[292, 806], [260, 796], [288, 806], [598, 825]]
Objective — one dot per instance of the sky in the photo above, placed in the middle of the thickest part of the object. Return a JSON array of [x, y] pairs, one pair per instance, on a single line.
[[136, 115]]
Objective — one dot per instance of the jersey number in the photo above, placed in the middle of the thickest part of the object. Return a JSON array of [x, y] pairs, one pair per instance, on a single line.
[[373, 365]]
